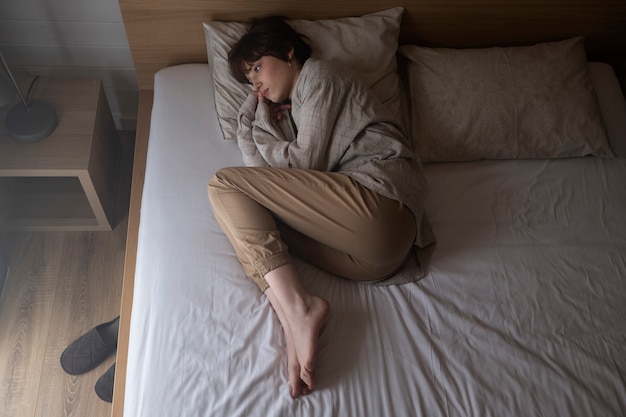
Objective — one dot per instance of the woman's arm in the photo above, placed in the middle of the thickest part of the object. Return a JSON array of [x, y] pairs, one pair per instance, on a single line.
[[249, 151], [319, 113], [258, 124]]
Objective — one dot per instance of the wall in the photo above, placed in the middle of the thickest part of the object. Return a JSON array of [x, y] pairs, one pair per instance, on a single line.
[[69, 38]]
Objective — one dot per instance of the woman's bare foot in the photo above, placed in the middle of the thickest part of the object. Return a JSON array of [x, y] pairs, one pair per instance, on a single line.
[[302, 315], [305, 322], [296, 385]]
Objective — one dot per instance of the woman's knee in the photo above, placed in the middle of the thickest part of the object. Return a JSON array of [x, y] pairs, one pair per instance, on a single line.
[[221, 177], [390, 239], [223, 180]]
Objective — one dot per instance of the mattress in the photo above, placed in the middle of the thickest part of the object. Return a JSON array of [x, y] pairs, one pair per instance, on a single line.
[[522, 312]]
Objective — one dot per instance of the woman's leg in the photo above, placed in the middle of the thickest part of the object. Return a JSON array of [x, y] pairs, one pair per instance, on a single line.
[[304, 316], [296, 385], [239, 215], [331, 221], [352, 231]]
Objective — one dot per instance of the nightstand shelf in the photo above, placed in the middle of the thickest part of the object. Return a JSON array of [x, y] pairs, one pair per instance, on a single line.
[[66, 181]]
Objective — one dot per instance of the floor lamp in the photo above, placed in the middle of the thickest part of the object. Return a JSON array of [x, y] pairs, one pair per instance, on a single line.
[[30, 120]]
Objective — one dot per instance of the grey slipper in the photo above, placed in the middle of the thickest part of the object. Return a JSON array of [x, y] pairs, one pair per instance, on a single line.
[[91, 349], [104, 385]]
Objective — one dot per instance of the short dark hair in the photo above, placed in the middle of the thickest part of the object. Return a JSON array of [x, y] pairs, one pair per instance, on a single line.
[[267, 36]]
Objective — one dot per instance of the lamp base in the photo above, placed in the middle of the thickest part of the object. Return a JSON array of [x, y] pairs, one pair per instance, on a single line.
[[32, 124]]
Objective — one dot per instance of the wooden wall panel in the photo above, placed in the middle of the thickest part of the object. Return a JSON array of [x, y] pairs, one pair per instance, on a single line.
[[168, 32]]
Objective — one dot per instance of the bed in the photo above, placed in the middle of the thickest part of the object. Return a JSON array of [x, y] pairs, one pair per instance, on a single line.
[[523, 307]]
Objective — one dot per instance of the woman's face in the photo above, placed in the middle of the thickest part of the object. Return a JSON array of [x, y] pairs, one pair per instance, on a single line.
[[273, 78]]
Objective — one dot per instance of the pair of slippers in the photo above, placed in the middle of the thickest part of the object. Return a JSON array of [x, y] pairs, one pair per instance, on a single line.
[[89, 351]]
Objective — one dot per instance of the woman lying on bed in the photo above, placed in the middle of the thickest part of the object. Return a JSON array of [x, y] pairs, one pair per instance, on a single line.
[[328, 177]]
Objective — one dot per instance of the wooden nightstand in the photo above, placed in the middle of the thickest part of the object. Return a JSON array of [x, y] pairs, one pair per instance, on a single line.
[[66, 181]]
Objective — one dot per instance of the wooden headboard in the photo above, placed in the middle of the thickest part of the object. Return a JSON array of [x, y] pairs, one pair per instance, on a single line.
[[162, 33]]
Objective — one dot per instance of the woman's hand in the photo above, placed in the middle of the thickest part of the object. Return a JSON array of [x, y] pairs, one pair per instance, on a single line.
[[276, 109]]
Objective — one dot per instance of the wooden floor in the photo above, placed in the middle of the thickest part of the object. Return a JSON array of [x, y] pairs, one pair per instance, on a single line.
[[60, 285]]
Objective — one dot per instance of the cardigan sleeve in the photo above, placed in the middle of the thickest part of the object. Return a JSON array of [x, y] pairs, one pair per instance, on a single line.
[[249, 151], [258, 136], [321, 137]]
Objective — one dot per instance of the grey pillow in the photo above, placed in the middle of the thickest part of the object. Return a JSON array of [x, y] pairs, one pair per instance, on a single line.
[[504, 103]]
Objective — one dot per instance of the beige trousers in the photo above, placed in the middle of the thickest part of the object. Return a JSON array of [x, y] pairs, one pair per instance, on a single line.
[[325, 218]]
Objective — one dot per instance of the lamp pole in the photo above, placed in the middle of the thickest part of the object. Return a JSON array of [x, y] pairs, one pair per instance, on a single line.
[[32, 121], [17, 88]]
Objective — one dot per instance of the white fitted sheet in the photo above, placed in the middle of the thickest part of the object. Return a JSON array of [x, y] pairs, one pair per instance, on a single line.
[[523, 311]]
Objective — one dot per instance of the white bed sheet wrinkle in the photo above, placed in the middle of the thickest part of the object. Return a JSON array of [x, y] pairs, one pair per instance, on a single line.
[[485, 353], [524, 285], [547, 217], [508, 322]]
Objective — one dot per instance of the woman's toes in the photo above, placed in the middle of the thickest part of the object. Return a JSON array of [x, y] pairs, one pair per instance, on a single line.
[[294, 380]]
